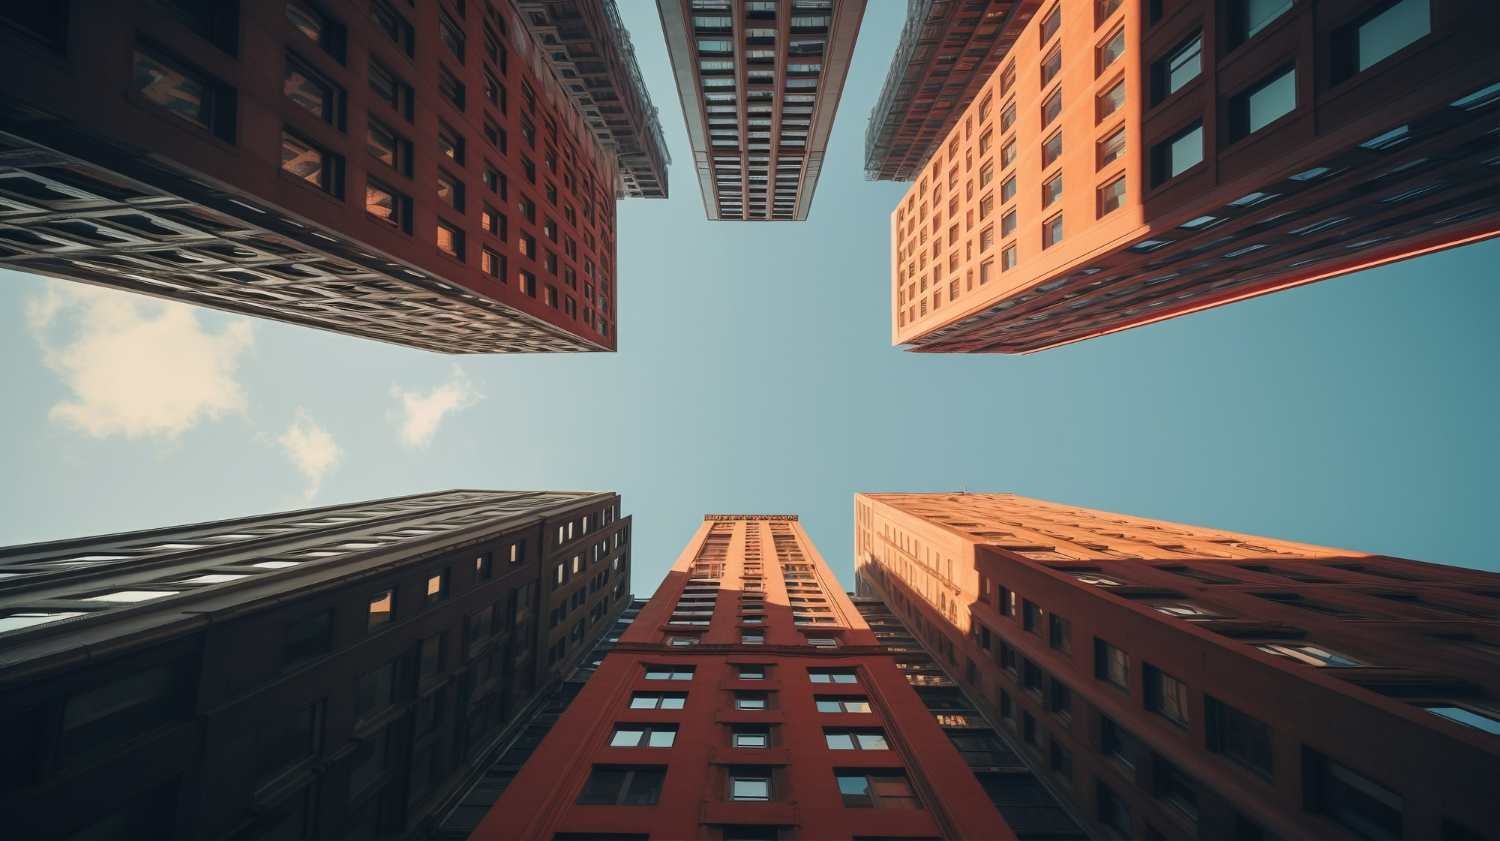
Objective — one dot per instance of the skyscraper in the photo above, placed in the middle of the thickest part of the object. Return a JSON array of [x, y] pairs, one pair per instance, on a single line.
[[760, 82], [417, 176], [749, 700], [947, 52], [335, 672], [1133, 161], [1170, 681]]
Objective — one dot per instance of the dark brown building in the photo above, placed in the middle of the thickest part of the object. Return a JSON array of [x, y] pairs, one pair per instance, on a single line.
[[948, 51], [337, 672], [1171, 681], [760, 82], [414, 174]]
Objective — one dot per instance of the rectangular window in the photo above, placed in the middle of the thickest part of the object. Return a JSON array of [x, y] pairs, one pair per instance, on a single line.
[[451, 88], [1008, 116], [1052, 231], [1109, 101], [831, 704], [320, 28], [1111, 148], [1240, 737], [313, 92], [1008, 154], [750, 736], [388, 147], [750, 783], [1172, 72], [643, 736], [855, 739], [1361, 805], [1171, 784], [1379, 34], [1051, 107], [846, 676], [1110, 51], [1177, 154], [1248, 17], [307, 638], [658, 700], [751, 701], [1112, 196], [1008, 223], [183, 91], [450, 191], [437, 584], [1059, 633], [1117, 742], [121, 708], [390, 89], [451, 34], [611, 785], [395, 27], [1052, 149], [1008, 258], [669, 673], [375, 691], [387, 205], [1111, 664], [1270, 99], [382, 609], [1007, 189], [1310, 654], [1050, 24], [450, 143], [1051, 191], [1166, 695], [876, 789], [1051, 65], [312, 164]]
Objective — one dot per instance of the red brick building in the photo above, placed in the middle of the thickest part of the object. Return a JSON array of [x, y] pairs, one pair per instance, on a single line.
[[748, 700], [1170, 681], [1129, 161], [414, 173]]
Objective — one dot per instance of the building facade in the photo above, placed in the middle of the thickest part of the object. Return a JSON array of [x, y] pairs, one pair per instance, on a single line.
[[1212, 150], [1171, 681], [948, 51], [336, 672], [413, 174], [748, 700], [760, 82], [588, 45]]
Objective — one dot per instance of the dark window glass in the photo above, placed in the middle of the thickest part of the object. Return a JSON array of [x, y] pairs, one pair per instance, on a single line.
[[284, 742], [1238, 736], [374, 691], [1359, 804], [1380, 34], [183, 91], [123, 707], [389, 206], [1177, 154], [391, 89], [1248, 17], [622, 786], [308, 637], [388, 147], [1269, 100], [312, 92], [876, 789], [1175, 787], [1166, 695], [395, 27]]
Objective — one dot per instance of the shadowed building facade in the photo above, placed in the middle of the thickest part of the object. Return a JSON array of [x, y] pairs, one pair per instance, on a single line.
[[760, 82], [749, 700], [1171, 681], [334, 672], [1131, 161], [417, 175]]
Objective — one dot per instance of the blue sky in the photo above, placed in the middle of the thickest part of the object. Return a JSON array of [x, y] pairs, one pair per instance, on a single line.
[[755, 374]]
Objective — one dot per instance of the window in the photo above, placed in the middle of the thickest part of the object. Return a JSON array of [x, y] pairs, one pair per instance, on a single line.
[[1052, 149], [1254, 109], [320, 28], [1166, 695], [658, 700], [1177, 154], [430, 656], [1359, 804], [437, 587], [1112, 811], [1059, 633], [669, 673], [751, 672], [1248, 17], [1171, 784], [1110, 51], [183, 91], [611, 785], [1112, 196], [855, 740], [375, 691], [747, 736], [120, 708], [1051, 191], [395, 27], [1174, 70], [451, 34], [284, 741], [1051, 65], [751, 701], [1312, 655], [1008, 257], [313, 93], [823, 642], [1007, 190], [390, 89], [312, 164], [1008, 223], [1052, 231], [1050, 24], [388, 147], [1233, 734], [1118, 742], [830, 704], [1007, 154], [1051, 107], [1379, 34], [752, 639], [1484, 721], [643, 736], [451, 88], [1111, 664], [450, 191], [450, 143], [832, 676], [752, 783], [876, 789], [450, 241], [382, 608], [387, 205], [306, 638], [1109, 101]]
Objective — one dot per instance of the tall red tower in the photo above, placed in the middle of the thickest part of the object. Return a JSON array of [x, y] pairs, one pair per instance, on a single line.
[[750, 699]]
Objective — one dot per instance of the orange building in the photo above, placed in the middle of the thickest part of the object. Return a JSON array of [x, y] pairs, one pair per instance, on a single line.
[[1131, 161], [748, 700], [1169, 681]]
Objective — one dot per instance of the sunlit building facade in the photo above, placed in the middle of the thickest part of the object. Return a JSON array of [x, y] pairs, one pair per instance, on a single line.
[[760, 82], [750, 699], [414, 174], [1172, 681], [1131, 161], [339, 672]]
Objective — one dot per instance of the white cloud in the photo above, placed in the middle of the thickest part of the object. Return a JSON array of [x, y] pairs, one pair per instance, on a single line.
[[421, 412], [136, 366], [311, 449]]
